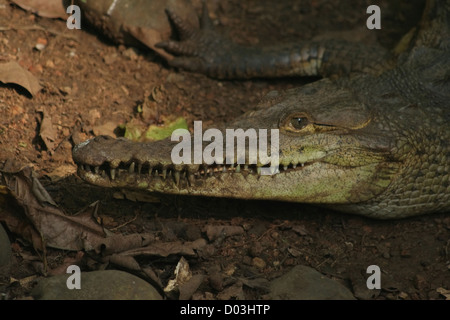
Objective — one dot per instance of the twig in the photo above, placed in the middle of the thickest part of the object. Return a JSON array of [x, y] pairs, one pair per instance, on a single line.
[[124, 224]]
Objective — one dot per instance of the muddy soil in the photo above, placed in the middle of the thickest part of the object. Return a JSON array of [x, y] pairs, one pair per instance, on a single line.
[[91, 86]]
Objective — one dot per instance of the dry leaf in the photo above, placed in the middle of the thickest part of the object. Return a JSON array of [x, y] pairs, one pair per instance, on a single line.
[[182, 274], [105, 129], [444, 292], [188, 288], [44, 8], [165, 249], [45, 220], [16, 222], [12, 72], [56, 229], [48, 132]]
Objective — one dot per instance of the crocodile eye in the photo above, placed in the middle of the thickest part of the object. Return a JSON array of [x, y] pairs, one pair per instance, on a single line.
[[299, 122]]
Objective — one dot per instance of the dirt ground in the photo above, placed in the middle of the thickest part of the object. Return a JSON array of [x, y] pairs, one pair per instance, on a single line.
[[91, 85]]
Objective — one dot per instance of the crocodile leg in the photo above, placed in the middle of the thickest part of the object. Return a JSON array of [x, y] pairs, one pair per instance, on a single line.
[[205, 51]]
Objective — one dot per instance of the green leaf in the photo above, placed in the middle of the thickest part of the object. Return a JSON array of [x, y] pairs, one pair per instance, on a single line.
[[154, 132]]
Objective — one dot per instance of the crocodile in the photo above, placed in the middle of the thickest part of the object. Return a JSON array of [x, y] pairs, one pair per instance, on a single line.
[[375, 144]]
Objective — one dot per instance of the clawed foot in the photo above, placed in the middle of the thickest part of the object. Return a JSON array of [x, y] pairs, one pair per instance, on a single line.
[[198, 50]]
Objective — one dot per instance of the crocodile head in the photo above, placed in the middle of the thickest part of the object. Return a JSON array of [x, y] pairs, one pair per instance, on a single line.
[[330, 151]]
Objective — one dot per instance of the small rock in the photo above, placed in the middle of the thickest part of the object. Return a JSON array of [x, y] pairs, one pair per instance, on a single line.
[[50, 64], [110, 58], [420, 282], [360, 290], [258, 229], [259, 263], [304, 283], [294, 252], [215, 232], [96, 285], [216, 281], [131, 53]]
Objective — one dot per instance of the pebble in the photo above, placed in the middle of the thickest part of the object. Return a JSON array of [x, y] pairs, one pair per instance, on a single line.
[[305, 283], [96, 285], [259, 263]]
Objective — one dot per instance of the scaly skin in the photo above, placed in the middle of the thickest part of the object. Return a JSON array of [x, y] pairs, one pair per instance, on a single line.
[[206, 51], [375, 145]]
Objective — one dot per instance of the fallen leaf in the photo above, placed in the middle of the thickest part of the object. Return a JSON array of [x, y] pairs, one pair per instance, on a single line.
[[44, 8], [135, 130], [444, 292], [11, 215], [164, 249], [68, 261], [182, 274], [155, 133], [45, 218], [188, 288], [234, 292], [47, 131], [12, 72], [105, 129]]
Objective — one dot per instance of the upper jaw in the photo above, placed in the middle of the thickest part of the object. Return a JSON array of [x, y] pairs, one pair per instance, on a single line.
[[119, 162]]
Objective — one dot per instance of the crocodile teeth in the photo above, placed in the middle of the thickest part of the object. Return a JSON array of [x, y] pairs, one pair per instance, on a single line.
[[238, 168], [113, 174], [131, 168], [164, 173], [246, 167], [191, 179], [224, 169], [294, 165], [139, 168], [96, 170], [176, 175], [258, 170], [303, 164], [285, 168]]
